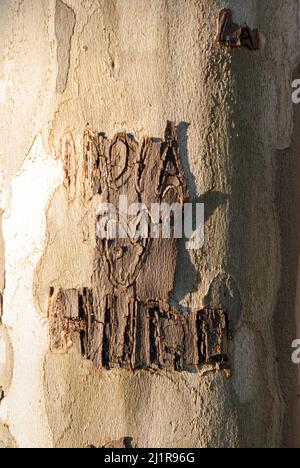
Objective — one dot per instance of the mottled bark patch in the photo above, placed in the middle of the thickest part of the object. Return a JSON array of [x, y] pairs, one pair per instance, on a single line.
[[6, 361]]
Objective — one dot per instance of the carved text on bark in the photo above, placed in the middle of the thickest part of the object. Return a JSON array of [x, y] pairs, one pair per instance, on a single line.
[[124, 320], [232, 35]]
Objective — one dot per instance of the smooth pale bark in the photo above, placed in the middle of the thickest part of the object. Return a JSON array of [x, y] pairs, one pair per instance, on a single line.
[[131, 65]]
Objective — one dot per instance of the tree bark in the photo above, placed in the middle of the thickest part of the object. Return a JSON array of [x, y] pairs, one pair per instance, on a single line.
[[127, 67]]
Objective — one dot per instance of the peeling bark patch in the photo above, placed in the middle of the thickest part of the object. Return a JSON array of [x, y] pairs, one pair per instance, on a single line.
[[124, 319], [65, 21], [24, 232], [230, 34]]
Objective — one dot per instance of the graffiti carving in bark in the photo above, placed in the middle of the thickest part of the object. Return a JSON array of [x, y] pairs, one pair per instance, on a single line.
[[125, 320]]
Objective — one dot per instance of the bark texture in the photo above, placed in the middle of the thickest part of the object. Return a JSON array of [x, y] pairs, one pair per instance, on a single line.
[[125, 320], [127, 67]]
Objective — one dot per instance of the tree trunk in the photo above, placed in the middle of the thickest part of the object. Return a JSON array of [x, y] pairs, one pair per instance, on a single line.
[[101, 70]]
